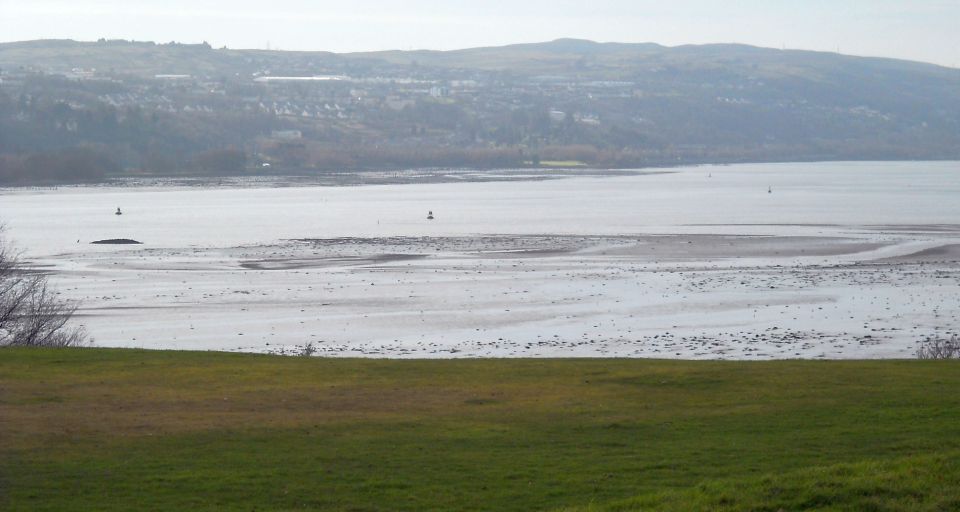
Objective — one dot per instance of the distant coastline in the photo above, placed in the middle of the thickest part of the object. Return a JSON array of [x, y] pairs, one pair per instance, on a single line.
[[75, 112], [394, 176]]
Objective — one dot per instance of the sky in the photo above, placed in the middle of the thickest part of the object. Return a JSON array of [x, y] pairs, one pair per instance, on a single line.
[[924, 30]]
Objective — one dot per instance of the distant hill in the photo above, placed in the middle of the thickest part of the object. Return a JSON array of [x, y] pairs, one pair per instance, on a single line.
[[160, 106], [144, 59]]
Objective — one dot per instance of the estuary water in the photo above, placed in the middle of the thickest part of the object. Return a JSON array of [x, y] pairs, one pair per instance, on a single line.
[[761, 261], [695, 199]]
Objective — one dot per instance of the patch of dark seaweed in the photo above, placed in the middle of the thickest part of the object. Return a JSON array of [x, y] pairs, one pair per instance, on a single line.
[[294, 264]]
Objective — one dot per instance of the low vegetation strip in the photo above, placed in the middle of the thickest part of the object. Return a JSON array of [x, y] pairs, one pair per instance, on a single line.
[[85, 429], [911, 484]]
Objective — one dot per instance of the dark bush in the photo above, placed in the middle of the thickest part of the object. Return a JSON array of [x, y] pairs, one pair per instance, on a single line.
[[31, 314]]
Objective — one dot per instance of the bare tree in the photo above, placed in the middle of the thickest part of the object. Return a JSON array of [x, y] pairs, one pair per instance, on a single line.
[[31, 314], [939, 348]]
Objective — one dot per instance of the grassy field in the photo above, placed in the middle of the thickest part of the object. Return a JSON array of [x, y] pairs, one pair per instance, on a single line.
[[99, 429]]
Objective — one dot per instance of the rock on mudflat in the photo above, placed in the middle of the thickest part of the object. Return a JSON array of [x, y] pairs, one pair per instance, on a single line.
[[117, 241]]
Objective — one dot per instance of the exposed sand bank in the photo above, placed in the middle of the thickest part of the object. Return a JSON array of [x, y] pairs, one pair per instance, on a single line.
[[867, 293], [841, 260]]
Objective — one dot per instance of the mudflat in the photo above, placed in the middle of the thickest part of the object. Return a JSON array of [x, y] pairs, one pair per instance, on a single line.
[[683, 295], [807, 260]]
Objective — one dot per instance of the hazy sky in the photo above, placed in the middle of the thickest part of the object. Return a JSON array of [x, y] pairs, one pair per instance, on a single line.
[[927, 30]]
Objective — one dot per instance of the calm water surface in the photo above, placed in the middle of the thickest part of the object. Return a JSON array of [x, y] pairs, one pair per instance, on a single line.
[[694, 199]]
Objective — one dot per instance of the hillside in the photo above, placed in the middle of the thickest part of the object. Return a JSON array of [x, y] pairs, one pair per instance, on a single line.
[[175, 108]]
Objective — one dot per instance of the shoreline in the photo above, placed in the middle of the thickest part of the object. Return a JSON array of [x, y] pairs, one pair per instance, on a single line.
[[417, 175], [540, 296], [766, 262]]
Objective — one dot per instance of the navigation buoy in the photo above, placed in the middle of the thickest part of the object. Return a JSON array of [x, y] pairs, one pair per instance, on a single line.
[[769, 190], [430, 215], [118, 211]]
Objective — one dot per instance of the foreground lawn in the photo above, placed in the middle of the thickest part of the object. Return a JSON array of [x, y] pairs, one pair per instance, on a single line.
[[99, 429]]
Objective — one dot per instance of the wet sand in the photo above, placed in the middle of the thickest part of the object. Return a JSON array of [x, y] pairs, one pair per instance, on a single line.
[[811, 260], [862, 292]]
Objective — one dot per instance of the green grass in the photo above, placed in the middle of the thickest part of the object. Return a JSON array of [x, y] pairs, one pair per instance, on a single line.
[[910, 483], [100, 429]]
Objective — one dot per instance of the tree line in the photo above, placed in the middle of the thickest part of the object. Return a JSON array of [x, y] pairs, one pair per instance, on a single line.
[[71, 165]]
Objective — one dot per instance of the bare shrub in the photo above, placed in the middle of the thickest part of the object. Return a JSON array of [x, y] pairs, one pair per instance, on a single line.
[[31, 314], [308, 350], [939, 348]]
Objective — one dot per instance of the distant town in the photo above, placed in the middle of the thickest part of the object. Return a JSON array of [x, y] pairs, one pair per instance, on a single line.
[[120, 107]]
